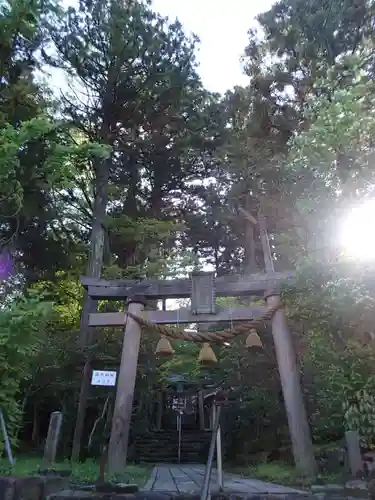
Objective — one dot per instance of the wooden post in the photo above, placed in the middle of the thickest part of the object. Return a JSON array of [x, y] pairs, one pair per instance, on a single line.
[[82, 403], [289, 374], [118, 443], [84, 341], [160, 410], [201, 410]]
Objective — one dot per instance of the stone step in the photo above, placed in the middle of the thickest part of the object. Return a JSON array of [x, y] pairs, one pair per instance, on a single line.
[[170, 453], [189, 437], [155, 447], [168, 437], [169, 460], [169, 446], [155, 457], [173, 452]]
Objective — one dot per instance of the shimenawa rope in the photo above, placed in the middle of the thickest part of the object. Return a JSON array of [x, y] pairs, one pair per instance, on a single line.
[[200, 337]]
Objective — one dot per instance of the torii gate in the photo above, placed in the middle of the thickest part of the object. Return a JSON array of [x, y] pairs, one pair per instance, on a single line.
[[202, 289]]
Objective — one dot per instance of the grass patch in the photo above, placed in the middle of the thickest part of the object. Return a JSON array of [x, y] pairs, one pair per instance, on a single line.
[[81, 472], [281, 473], [273, 472]]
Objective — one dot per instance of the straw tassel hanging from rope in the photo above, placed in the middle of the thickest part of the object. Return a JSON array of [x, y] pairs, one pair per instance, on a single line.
[[164, 347], [207, 355], [253, 339]]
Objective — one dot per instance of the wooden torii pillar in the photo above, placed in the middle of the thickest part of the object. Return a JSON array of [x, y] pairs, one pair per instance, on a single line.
[[286, 360], [289, 373], [118, 443]]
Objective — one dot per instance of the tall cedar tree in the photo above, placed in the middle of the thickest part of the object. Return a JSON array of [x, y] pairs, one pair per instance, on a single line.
[[35, 148], [138, 93], [300, 43]]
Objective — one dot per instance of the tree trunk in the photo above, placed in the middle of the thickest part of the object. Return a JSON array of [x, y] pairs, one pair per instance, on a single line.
[[94, 268], [35, 431], [97, 241], [249, 242]]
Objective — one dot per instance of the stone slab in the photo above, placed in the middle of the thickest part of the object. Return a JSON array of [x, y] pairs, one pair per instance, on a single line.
[[188, 479], [158, 495], [53, 436]]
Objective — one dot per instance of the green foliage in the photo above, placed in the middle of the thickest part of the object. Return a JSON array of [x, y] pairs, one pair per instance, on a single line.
[[60, 156], [360, 416], [151, 238], [81, 473], [330, 311], [22, 333], [338, 372], [39, 151], [334, 155], [184, 362]]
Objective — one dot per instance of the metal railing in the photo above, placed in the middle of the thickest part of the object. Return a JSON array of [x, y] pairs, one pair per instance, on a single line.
[[214, 443], [179, 432]]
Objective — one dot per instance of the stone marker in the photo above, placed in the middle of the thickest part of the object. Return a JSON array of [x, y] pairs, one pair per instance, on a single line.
[[52, 438], [354, 452], [31, 488]]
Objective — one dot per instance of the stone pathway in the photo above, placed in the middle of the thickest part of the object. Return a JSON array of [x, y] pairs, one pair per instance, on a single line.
[[188, 479]]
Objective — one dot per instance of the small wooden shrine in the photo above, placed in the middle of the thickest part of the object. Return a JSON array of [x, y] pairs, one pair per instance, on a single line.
[[192, 400]]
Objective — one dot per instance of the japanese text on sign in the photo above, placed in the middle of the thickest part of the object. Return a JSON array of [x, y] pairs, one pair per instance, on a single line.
[[102, 377]]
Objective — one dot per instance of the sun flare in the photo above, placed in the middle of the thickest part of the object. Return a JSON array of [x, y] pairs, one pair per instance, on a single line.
[[357, 236]]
